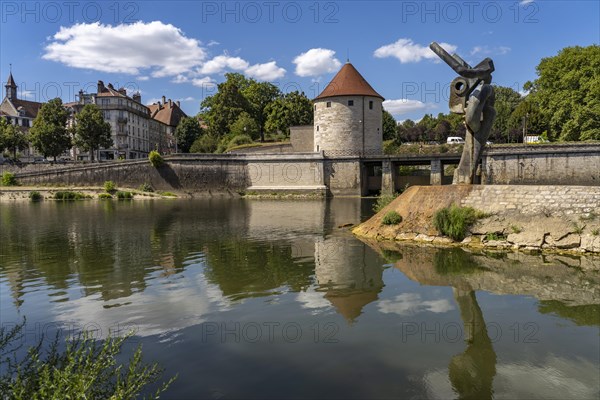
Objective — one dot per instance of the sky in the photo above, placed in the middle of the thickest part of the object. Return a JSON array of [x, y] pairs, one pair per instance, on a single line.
[[181, 49]]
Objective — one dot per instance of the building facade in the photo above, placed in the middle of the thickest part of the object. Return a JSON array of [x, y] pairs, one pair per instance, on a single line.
[[17, 111], [348, 116], [136, 129]]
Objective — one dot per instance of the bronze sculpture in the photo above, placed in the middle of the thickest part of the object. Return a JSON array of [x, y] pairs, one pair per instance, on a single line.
[[471, 94]]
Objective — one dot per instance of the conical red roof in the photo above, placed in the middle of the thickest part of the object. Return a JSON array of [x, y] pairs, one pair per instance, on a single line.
[[10, 81], [348, 82]]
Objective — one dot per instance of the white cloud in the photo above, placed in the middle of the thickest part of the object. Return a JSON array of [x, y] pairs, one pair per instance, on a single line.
[[405, 106], [213, 43], [161, 48], [151, 101], [525, 2], [316, 62], [205, 82], [221, 63], [180, 79], [187, 99], [407, 51], [411, 303], [486, 50], [265, 72], [143, 78]]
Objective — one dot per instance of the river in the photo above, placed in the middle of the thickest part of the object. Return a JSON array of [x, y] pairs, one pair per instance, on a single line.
[[275, 299]]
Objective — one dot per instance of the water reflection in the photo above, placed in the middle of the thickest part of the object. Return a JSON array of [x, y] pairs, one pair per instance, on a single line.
[[472, 373], [169, 268]]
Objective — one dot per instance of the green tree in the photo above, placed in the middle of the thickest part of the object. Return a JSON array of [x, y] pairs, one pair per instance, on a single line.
[[91, 132], [259, 96], [246, 125], [49, 134], [527, 115], [506, 101], [204, 144], [186, 133], [389, 126], [292, 109], [12, 138], [222, 109], [568, 92]]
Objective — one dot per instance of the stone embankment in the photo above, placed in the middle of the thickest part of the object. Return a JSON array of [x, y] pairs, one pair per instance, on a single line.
[[530, 218]]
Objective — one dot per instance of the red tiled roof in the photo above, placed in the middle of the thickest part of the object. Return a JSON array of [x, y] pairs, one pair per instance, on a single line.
[[348, 82], [167, 114]]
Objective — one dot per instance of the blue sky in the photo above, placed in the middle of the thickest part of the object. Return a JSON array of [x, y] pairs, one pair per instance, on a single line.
[[180, 49]]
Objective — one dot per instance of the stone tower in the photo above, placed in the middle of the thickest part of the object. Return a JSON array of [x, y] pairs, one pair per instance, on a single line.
[[11, 88], [348, 116]]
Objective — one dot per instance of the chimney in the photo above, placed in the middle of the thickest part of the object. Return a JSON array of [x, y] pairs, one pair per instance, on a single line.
[[110, 86], [100, 86], [137, 97], [81, 99], [164, 100], [178, 104], [170, 104]]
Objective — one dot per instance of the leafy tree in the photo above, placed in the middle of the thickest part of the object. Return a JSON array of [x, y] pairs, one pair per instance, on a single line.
[[204, 144], [527, 112], [506, 102], [246, 125], [292, 109], [49, 134], [222, 109], [389, 126], [259, 96], [12, 138], [568, 92], [91, 132], [186, 133]]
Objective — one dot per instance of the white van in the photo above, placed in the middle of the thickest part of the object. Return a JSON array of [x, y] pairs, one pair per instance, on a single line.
[[455, 140]]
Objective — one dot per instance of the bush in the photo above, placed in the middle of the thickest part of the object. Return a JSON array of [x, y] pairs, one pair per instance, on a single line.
[[204, 144], [8, 179], [69, 196], [110, 187], [105, 196], [454, 221], [124, 195], [391, 218], [383, 200], [239, 140], [155, 159], [168, 194], [146, 187], [35, 196], [87, 368]]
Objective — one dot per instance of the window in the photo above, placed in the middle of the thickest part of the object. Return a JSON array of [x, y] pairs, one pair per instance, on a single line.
[[370, 104], [317, 128], [328, 104], [350, 103], [315, 107]]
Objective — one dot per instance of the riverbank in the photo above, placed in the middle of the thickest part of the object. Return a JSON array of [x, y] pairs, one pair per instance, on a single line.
[[22, 193], [562, 219]]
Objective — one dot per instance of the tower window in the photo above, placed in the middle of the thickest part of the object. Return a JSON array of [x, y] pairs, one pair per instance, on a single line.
[[328, 104], [370, 104], [315, 107], [317, 128], [350, 103]]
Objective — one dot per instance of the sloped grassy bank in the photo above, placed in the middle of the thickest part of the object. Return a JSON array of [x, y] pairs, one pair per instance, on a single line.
[[497, 222]]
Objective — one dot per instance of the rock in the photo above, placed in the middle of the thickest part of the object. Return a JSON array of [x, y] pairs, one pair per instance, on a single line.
[[442, 240], [533, 237], [406, 236], [424, 238], [569, 241], [496, 243], [590, 243]]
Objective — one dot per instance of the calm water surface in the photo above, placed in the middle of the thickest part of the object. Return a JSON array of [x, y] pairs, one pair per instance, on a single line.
[[269, 299]]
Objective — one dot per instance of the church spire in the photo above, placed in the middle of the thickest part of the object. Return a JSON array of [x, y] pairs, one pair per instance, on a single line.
[[11, 87]]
